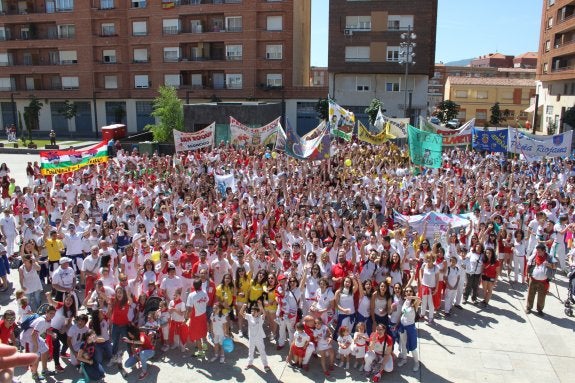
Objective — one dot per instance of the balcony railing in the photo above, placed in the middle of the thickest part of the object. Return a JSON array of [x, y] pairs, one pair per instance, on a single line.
[[563, 69]]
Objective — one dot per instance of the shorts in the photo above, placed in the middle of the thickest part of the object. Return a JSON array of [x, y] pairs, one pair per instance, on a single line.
[[344, 351], [42, 347], [298, 351], [219, 339], [487, 279]]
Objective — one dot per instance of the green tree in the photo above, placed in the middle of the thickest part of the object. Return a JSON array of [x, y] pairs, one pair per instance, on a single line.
[[569, 117], [322, 108], [372, 110], [446, 110], [68, 111], [169, 111], [496, 115], [32, 116]]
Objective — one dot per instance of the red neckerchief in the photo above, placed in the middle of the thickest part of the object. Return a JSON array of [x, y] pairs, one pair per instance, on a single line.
[[539, 259]]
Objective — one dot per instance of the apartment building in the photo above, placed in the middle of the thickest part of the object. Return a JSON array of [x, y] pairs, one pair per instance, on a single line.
[[383, 50], [110, 56], [556, 68]]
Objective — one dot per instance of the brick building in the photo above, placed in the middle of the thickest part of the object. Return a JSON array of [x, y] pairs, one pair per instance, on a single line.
[[110, 56], [365, 54]]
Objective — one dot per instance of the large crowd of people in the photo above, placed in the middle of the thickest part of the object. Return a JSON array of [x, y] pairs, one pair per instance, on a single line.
[[148, 253]]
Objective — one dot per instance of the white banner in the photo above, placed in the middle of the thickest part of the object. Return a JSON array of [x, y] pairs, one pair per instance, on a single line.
[[240, 134], [266, 135], [534, 147], [451, 137], [397, 126], [223, 181], [280, 139], [197, 140]]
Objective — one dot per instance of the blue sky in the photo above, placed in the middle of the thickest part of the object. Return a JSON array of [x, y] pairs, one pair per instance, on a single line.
[[465, 28]]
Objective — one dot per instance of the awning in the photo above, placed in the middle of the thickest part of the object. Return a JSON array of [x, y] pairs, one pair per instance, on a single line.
[[530, 109]]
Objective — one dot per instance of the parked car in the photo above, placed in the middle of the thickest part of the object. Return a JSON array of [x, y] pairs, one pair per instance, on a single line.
[[435, 120], [453, 123]]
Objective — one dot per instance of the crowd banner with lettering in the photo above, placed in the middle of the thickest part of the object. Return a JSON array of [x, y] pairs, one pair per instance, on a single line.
[[432, 221], [424, 147], [281, 138], [65, 161], [534, 147], [224, 181], [267, 134], [192, 141], [341, 121], [491, 140], [240, 134], [364, 134], [397, 126], [315, 147], [451, 137]]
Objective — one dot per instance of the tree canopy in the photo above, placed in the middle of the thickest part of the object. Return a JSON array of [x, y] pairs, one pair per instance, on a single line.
[[446, 110], [169, 112]]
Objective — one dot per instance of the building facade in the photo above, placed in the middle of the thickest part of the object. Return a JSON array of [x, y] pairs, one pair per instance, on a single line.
[[476, 96], [110, 56], [556, 68], [365, 53]]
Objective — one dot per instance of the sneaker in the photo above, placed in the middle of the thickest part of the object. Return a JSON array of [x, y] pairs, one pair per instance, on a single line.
[[59, 369], [214, 358], [165, 348], [267, 368], [204, 346], [447, 314], [249, 366], [540, 313], [416, 367], [401, 362], [458, 307], [37, 376], [527, 311], [143, 375], [340, 364], [222, 359]]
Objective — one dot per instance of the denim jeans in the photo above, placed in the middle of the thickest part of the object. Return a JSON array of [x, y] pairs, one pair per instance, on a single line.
[[118, 332], [144, 356], [103, 352]]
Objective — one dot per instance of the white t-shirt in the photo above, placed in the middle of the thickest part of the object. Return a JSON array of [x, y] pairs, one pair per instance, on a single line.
[[171, 285], [323, 300], [300, 338], [255, 326], [218, 323], [76, 333], [198, 300], [176, 314], [219, 269]]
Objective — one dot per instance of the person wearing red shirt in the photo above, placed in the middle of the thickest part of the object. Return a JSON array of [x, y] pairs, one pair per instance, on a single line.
[[380, 346], [188, 257], [142, 350], [119, 318], [491, 269], [308, 327], [7, 326], [342, 268]]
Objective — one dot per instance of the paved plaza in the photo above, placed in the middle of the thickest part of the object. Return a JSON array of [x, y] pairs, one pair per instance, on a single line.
[[497, 344]]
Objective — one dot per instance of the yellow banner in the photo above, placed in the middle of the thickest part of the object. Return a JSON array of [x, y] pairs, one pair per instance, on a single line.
[[375, 139]]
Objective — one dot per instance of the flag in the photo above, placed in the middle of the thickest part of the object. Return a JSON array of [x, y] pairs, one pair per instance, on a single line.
[[341, 121], [315, 147], [379, 121], [280, 139], [192, 141], [65, 161], [396, 125], [223, 181], [267, 134], [376, 139], [240, 134], [424, 147]]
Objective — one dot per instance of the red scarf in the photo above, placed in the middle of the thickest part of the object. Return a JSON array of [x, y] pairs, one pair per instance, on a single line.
[[539, 259]]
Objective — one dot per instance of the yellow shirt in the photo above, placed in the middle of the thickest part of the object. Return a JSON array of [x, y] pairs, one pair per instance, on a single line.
[[244, 288], [53, 249], [226, 296], [256, 291], [272, 303]]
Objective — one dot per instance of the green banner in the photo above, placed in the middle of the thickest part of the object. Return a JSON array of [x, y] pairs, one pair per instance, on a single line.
[[424, 147]]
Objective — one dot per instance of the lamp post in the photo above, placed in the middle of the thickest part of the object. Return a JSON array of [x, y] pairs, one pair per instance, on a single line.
[[406, 55], [14, 117], [188, 92]]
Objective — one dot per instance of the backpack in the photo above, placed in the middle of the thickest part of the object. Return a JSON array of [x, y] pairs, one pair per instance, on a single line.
[[26, 323]]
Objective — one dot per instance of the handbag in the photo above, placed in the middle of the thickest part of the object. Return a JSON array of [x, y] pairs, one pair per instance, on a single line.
[[299, 313]]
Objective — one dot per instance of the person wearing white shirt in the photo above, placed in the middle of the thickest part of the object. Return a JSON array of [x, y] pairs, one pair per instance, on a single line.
[[256, 334], [519, 254], [8, 230], [171, 283], [74, 244], [452, 280]]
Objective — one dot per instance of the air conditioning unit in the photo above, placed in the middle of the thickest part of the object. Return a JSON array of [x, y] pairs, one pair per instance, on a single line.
[[348, 32]]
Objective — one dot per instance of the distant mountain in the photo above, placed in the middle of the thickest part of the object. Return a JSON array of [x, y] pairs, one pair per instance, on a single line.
[[463, 62]]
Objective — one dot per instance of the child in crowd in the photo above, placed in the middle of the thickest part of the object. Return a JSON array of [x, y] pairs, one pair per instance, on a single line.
[[87, 355], [323, 336], [452, 279], [151, 321], [178, 328], [298, 345], [220, 330], [344, 342], [24, 309], [163, 315], [359, 345], [76, 337], [256, 334]]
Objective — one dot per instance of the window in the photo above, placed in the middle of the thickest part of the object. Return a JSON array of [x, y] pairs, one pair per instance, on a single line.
[[399, 22], [141, 55], [547, 45], [392, 86], [138, 3], [106, 4], [523, 115], [234, 81], [171, 26], [139, 28], [5, 83], [66, 31], [64, 5], [172, 80], [234, 52], [461, 94], [481, 114], [549, 109], [362, 83], [2, 33], [550, 2], [197, 81], [274, 23], [68, 57], [274, 51], [108, 29], [507, 96], [141, 81], [25, 33], [171, 54], [109, 56], [30, 83], [549, 22], [357, 54], [234, 24], [482, 94], [70, 83], [111, 82], [4, 59], [274, 80], [393, 54], [358, 23], [545, 67]]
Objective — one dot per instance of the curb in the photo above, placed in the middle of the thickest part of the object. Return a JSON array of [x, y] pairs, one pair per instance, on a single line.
[[8, 150]]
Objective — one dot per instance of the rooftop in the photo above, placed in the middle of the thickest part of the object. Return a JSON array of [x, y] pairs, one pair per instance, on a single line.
[[490, 81]]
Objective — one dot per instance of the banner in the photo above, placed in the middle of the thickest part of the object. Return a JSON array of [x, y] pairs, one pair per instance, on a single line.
[[223, 181], [315, 147], [341, 121], [240, 134], [192, 141], [280, 139], [436, 222], [266, 135], [451, 137], [397, 126], [490, 140], [424, 147], [535, 147], [364, 135], [65, 161]]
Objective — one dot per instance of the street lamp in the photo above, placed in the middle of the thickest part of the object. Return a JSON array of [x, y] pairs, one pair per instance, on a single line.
[[406, 55], [14, 118]]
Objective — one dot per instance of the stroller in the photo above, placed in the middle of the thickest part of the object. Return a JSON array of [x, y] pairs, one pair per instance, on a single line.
[[152, 305]]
